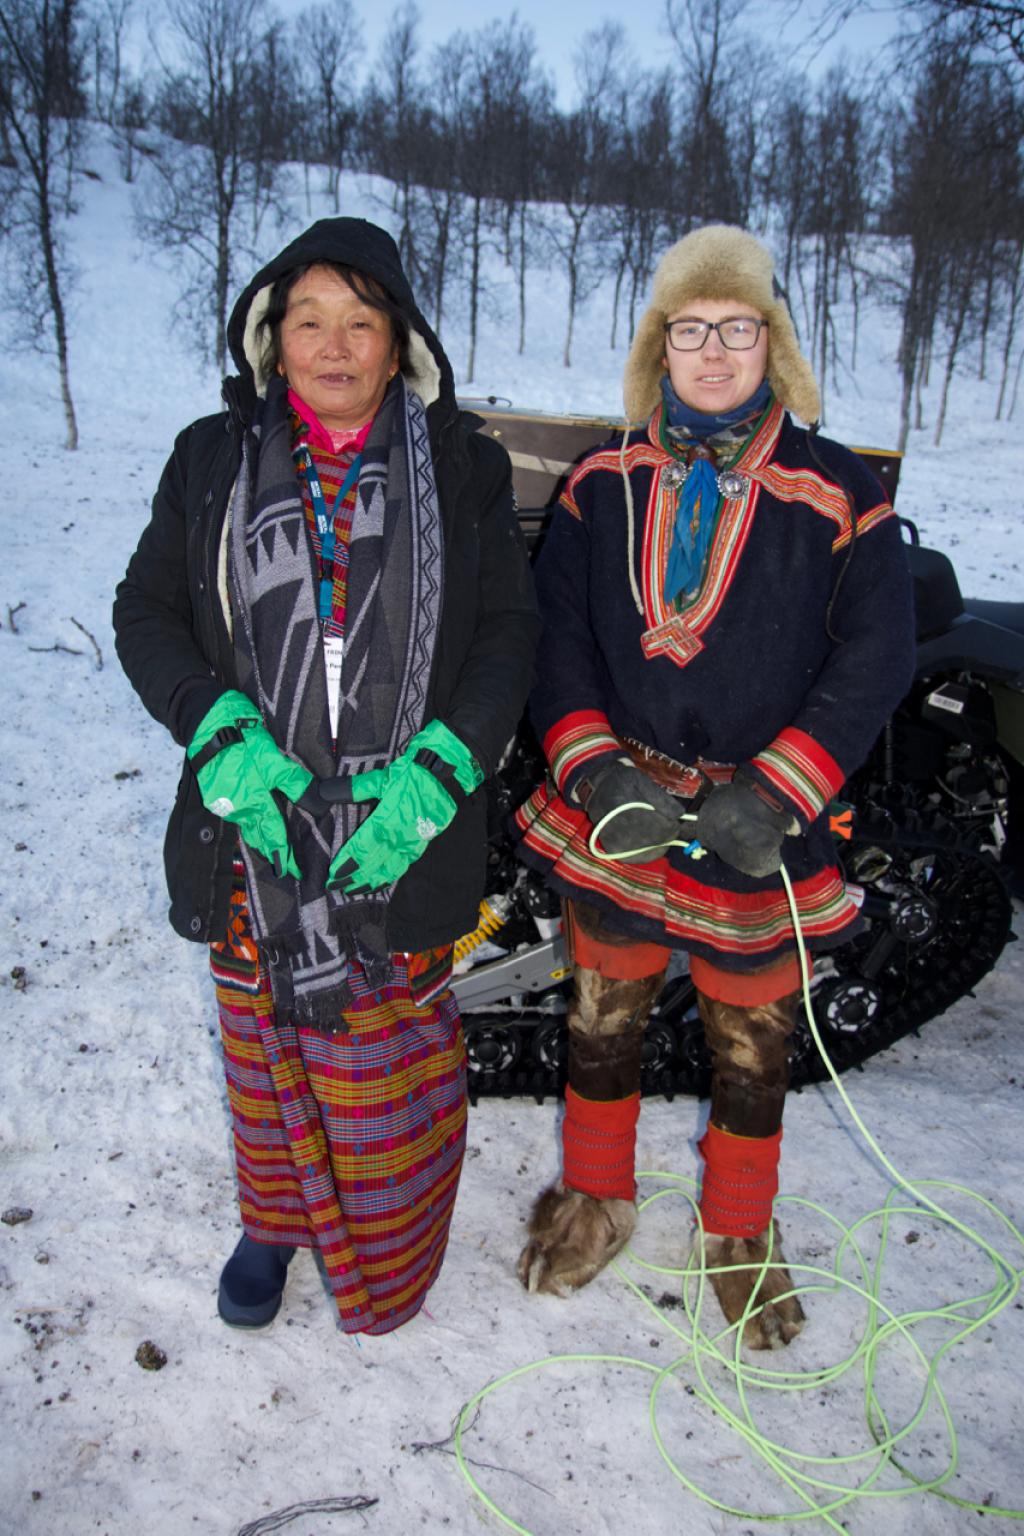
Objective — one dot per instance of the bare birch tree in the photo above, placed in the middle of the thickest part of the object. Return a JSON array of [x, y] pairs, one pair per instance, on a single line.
[[329, 40], [211, 183], [575, 179], [41, 101]]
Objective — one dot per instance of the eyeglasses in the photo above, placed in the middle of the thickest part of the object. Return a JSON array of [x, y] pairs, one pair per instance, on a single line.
[[738, 335]]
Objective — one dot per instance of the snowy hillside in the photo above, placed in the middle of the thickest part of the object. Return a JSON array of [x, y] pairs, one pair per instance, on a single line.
[[114, 1129]]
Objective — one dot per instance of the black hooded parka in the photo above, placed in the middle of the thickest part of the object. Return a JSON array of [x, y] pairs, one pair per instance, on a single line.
[[172, 630]]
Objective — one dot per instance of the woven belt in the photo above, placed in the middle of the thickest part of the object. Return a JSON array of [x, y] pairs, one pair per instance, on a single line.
[[689, 781]]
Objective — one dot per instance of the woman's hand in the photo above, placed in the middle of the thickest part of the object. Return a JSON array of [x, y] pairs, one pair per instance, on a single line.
[[418, 796], [239, 766]]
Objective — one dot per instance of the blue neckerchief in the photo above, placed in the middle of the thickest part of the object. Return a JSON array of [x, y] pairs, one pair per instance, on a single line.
[[698, 499], [695, 523], [699, 424]]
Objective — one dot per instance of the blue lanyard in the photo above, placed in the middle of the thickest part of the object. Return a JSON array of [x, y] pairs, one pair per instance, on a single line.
[[325, 521]]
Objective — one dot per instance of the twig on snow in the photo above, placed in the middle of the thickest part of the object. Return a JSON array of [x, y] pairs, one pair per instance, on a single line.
[[91, 637], [446, 1448], [11, 615], [65, 650], [281, 1517]]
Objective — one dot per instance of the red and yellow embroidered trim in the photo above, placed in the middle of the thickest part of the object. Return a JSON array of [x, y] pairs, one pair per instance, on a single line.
[[575, 739], [678, 635], [802, 769], [807, 486]]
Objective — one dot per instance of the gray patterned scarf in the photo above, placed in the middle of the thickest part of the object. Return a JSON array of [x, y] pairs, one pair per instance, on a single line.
[[306, 935]]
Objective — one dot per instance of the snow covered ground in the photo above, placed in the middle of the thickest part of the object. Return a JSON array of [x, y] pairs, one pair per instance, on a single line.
[[114, 1125]]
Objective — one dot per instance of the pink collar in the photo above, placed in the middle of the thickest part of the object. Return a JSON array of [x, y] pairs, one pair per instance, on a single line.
[[319, 436]]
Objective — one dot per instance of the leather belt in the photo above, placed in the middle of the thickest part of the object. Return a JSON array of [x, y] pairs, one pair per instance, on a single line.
[[689, 781]]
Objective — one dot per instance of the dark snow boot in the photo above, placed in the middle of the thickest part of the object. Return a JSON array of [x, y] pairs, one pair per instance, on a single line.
[[252, 1283]]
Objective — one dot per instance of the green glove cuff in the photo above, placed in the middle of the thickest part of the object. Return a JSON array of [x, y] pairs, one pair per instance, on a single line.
[[231, 711], [437, 738]]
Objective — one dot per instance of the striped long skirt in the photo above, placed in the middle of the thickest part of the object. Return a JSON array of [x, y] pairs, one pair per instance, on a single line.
[[350, 1144]]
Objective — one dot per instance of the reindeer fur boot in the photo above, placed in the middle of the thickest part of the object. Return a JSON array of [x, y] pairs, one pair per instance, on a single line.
[[572, 1238], [776, 1317]]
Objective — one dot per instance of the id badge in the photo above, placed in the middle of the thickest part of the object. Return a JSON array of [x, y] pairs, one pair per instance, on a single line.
[[334, 650]]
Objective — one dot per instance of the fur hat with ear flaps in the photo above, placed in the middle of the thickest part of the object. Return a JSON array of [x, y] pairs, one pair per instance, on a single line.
[[719, 261]]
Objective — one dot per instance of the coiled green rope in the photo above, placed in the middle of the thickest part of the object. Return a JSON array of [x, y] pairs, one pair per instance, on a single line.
[[705, 1352]]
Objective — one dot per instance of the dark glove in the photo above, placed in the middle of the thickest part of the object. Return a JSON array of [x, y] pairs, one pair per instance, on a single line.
[[646, 827], [744, 823]]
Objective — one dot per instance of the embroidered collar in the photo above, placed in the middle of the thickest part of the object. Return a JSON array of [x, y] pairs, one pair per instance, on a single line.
[[677, 635]]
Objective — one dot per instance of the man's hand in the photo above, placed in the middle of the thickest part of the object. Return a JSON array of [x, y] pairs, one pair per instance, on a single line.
[[745, 824], [639, 834]]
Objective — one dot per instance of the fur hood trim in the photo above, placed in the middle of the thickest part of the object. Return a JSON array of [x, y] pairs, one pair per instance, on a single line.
[[719, 262]]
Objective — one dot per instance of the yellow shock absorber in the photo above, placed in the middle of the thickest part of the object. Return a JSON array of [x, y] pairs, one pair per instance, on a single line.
[[493, 914]]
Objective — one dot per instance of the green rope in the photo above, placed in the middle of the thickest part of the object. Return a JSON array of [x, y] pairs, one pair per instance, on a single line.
[[706, 1351]]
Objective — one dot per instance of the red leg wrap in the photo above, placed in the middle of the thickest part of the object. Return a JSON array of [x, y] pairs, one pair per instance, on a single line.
[[599, 1146], [741, 1179]]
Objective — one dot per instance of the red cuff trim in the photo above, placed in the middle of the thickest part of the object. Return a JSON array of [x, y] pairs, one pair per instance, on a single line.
[[802, 770], [575, 740]]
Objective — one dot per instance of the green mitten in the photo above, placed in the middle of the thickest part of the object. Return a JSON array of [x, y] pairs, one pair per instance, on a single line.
[[419, 794], [239, 765]]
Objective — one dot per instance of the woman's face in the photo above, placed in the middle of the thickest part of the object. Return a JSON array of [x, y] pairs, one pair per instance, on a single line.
[[336, 351], [716, 378]]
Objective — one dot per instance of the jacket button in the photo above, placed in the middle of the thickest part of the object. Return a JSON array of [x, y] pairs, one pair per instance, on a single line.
[[195, 925], [206, 834]]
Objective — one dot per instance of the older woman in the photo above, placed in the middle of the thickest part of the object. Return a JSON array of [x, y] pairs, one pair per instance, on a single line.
[[332, 586], [727, 623]]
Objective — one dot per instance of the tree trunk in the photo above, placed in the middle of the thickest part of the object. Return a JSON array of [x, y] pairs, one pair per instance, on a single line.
[[986, 319], [522, 278], [1016, 385], [855, 296], [567, 356], [908, 371], [474, 287], [57, 308], [620, 272], [441, 263], [924, 368], [220, 301], [1011, 331]]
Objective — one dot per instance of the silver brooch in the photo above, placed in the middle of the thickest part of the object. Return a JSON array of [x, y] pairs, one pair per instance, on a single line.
[[673, 476], [731, 484]]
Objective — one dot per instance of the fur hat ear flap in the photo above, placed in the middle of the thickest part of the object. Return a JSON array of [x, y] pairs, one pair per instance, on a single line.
[[719, 262], [641, 383]]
